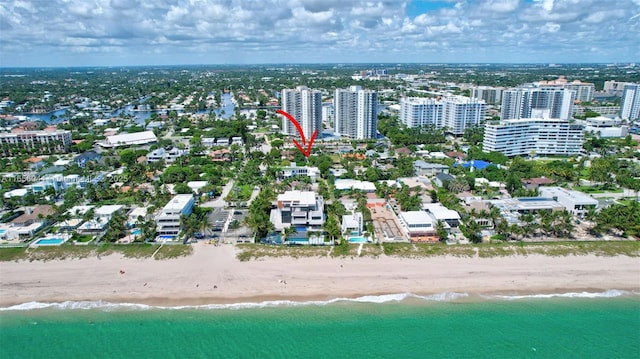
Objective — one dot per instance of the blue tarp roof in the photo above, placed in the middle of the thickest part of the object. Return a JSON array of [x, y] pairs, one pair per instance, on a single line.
[[477, 164]]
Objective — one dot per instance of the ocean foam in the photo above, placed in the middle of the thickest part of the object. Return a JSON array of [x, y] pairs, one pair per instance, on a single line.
[[611, 293], [373, 299]]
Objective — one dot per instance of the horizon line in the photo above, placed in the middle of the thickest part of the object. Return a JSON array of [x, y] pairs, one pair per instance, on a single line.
[[394, 63]]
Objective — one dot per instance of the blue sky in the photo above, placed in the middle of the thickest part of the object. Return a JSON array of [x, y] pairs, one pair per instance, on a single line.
[[174, 32]]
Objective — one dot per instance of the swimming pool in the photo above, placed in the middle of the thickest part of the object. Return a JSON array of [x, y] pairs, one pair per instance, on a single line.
[[357, 240], [49, 241], [136, 232]]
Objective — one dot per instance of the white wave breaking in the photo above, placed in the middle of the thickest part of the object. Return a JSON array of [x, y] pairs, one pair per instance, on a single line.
[[611, 293], [373, 299]]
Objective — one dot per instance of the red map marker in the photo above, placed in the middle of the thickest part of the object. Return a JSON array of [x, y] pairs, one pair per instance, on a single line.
[[305, 152]]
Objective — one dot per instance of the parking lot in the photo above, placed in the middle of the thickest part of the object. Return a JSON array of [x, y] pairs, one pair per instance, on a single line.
[[218, 217]]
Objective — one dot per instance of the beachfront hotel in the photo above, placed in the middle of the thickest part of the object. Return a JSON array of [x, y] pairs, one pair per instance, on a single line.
[[168, 221], [540, 136], [355, 113], [299, 209], [305, 105], [58, 140]]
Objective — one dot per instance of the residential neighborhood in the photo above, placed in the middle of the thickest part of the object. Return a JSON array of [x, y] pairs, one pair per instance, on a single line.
[[406, 157]]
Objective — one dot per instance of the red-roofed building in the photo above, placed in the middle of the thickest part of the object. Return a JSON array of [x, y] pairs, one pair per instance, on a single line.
[[534, 183]]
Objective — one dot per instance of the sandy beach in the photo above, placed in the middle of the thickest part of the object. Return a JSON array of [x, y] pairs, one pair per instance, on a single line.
[[213, 275]]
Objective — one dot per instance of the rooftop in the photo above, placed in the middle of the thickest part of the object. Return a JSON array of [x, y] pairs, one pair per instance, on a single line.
[[178, 202], [416, 217], [571, 195], [440, 212], [305, 197], [132, 138]]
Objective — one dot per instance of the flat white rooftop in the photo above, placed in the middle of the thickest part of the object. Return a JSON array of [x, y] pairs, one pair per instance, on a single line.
[[132, 138], [177, 203], [303, 197], [79, 210], [344, 184], [440, 212], [138, 211], [566, 194], [416, 217], [107, 210]]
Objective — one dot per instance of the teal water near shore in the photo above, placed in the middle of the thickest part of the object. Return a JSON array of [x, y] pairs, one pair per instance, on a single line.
[[445, 327]]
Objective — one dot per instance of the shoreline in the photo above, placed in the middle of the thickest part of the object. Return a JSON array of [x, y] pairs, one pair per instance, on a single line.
[[213, 276]]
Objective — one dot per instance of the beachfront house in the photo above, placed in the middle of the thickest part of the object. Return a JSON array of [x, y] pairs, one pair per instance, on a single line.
[[418, 225], [577, 203], [168, 224], [26, 225], [352, 224], [438, 212], [302, 209], [101, 217]]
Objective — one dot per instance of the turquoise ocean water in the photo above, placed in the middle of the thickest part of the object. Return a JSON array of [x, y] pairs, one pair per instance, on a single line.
[[579, 325]]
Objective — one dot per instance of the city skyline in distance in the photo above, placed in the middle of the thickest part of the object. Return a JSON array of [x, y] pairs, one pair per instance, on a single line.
[[132, 33]]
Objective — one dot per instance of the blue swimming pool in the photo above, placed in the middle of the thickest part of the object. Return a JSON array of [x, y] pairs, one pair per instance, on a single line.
[[357, 240], [49, 241], [136, 232]]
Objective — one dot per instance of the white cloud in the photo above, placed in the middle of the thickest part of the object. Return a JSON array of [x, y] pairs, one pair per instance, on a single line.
[[353, 30]]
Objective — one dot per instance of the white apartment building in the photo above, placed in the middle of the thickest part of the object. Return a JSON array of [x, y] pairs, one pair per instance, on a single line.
[[630, 105], [59, 141], [614, 88], [454, 113], [537, 103], [298, 208], [327, 113], [584, 91], [355, 112], [420, 111], [524, 137], [168, 221], [305, 105], [490, 95], [460, 113]]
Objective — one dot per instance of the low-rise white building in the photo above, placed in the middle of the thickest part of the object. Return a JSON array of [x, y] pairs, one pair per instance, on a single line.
[[128, 139], [438, 212], [577, 203], [350, 184], [168, 221], [418, 225], [352, 224], [294, 171]]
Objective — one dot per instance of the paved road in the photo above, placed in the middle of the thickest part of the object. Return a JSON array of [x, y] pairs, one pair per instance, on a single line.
[[220, 202]]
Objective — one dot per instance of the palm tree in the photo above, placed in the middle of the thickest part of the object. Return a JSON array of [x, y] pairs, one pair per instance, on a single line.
[[332, 228], [289, 231]]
